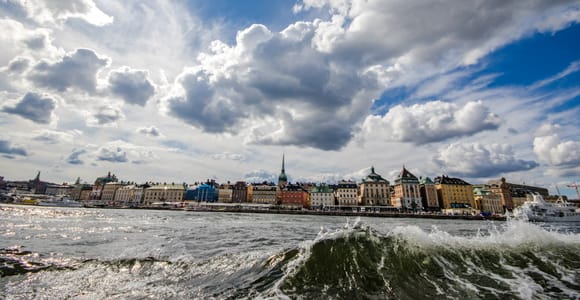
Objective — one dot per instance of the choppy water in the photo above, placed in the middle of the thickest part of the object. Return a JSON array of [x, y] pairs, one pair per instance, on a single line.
[[62, 253]]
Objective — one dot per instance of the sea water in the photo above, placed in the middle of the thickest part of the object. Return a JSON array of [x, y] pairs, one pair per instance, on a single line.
[[58, 253]]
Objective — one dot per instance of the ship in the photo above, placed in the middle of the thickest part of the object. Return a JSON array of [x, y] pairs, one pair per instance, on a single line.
[[539, 210], [60, 202]]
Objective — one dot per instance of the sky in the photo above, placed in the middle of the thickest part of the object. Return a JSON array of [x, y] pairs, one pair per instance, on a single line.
[[185, 91]]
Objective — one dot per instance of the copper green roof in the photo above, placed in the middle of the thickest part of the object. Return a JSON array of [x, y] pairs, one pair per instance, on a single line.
[[374, 177], [426, 180]]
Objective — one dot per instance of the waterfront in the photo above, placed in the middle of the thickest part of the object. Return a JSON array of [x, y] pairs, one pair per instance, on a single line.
[[103, 253]]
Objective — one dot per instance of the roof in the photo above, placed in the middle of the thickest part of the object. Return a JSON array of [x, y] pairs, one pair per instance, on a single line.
[[450, 180], [406, 177], [425, 180], [374, 177]]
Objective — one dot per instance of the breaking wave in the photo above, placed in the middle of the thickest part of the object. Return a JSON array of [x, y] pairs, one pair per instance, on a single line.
[[517, 261]]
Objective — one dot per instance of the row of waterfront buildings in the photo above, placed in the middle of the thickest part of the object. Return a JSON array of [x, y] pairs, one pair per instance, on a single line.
[[407, 192]]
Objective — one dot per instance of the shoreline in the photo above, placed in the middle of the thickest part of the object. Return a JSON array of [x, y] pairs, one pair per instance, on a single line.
[[301, 212]]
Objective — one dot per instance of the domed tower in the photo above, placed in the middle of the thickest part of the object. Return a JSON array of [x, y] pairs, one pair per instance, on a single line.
[[282, 179]]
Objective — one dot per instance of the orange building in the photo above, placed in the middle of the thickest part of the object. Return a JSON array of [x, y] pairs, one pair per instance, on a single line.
[[294, 197]]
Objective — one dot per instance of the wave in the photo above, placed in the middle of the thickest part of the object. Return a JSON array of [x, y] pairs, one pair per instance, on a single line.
[[517, 261], [521, 261]]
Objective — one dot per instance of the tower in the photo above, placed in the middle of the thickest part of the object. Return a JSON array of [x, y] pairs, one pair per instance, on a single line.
[[282, 179]]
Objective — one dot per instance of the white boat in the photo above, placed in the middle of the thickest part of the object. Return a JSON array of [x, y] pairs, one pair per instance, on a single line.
[[538, 210], [60, 202]]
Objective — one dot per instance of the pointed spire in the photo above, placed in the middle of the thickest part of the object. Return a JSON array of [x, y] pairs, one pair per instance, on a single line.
[[283, 171], [78, 180], [37, 176]]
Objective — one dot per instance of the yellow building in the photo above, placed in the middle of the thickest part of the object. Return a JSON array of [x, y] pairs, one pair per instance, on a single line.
[[407, 191], [108, 192], [163, 193], [374, 190], [487, 201], [262, 194], [454, 193], [428, 194]]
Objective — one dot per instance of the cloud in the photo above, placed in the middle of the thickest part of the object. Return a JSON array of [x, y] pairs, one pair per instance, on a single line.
[[131, 85], [8, 148], [550, 148], [259, 176], [431, 122], [151, 131], [228, 156], [112, 154], [35, 107], [106, 116], [456, 34], [56, 11], [75, 70], [475, 160], [74, 157], [56, 137], [19, 64], [273, 77], [123, 152]]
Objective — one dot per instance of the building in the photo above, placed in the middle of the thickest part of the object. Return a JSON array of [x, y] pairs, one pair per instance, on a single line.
[[407, 192], [487, 202], [108, 192], [504, 190], [294, 197], [163, 194], [37, 186], [454, 193], [282, 178], [321, 196], [262, 193], [130, 195], [533, 189], [81, 191], [240, 192], [100, 182], [225, 192], [374, 190], [346, 193], [59, 190], [428, 193]]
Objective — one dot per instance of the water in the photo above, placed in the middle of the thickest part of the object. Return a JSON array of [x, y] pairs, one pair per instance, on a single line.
[[57, 253]]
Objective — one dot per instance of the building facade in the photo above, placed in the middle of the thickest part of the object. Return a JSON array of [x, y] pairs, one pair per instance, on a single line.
[[504, 191], [374, 190], [109, 190], [240, 192], [407, 192], [428, 193], [454, 193], [263, 194], [346, 193], [163, 193], [321, 196], [225, 192], [487, 202], [294, 197]]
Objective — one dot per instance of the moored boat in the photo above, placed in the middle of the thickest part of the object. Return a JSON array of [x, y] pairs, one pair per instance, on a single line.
[[60, 202], [538, 210]]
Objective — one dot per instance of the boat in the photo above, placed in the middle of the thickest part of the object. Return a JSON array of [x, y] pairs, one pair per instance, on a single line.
[[60, 202], [538, 210]]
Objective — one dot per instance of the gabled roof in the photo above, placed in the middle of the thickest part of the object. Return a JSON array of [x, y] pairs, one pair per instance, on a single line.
[[406, 177], [374, 177]]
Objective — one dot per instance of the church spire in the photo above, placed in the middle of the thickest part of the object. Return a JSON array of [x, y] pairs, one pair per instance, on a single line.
[[283, 171], [282, 179]]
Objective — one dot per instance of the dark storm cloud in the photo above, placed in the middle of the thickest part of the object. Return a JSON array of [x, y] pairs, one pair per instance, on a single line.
[[34, 107], [78, 69], [7, 148], [131, 85], [201, 107]]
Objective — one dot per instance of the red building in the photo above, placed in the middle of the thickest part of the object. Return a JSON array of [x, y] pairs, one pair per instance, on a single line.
[[294, 197]]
